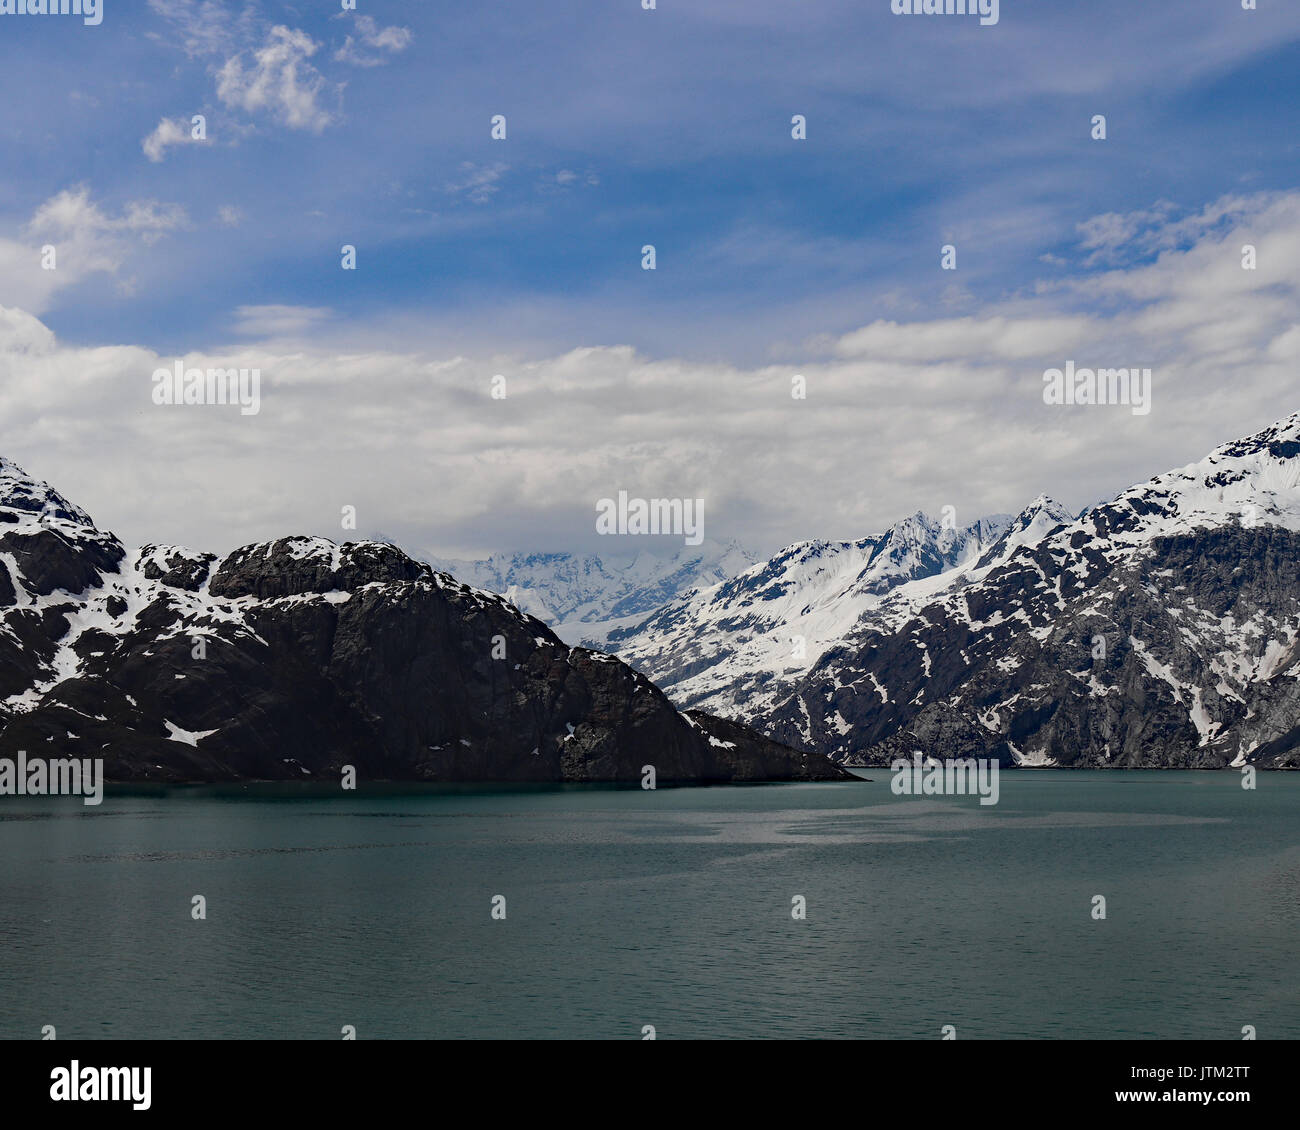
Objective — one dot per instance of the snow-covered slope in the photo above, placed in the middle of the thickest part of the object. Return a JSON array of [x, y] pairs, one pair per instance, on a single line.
[[583, 596], [20, 493], [738, 647], [297, 657], [1159, 628]]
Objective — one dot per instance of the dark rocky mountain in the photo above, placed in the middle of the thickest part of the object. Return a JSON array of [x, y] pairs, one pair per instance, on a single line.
[[1161, 629], [291, 659]]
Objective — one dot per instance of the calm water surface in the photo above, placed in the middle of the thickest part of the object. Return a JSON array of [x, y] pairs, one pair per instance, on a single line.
[[670, 908]]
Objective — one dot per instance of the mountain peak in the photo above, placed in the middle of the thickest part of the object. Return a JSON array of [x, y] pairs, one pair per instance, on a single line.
[[21, 492], [1255, 479], [1043, 507], [1280, 439]]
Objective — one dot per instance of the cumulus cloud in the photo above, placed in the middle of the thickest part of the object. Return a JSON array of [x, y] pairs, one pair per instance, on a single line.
[[383, 43], [261, 69], [72, 215], [277, 80], [168, 132], [86, 240], [899, 416]]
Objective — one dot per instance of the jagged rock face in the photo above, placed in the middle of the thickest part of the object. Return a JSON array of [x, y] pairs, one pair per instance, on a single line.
[[739, 647], [1159, 630], [292, 659]]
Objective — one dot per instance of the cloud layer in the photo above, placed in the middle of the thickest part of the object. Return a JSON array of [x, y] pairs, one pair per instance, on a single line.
[[899, 415]]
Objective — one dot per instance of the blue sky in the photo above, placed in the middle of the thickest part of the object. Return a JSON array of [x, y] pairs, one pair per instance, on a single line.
[[625, 127], [921, 130]]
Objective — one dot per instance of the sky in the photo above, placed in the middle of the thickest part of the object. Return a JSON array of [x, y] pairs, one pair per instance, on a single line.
[[521, 257]]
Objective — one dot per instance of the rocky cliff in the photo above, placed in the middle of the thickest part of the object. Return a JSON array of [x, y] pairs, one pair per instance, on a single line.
[[290, 659], [1159, 630]]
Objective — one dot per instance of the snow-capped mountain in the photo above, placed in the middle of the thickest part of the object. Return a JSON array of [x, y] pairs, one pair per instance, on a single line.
[[741, 645], [1159, 629], [583, 596], [293, 658]]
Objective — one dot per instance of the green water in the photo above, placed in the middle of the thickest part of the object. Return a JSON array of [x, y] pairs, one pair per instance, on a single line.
[[672, 908]]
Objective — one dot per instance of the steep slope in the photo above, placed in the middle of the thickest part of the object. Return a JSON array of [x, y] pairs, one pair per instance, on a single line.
[[737, 648], [293, 658], [1159, 629]]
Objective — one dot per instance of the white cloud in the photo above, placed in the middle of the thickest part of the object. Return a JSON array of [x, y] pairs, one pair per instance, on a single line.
[[169, 131], [72, 215], [989, 339], [562, 180], [86, 241], [477, 183], [369, 34], [278, 321], [1117, 238], [263, 69], [279, 81], [204, 27], [898, 416]]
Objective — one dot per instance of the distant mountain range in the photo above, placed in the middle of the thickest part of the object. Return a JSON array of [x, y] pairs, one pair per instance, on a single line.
[[583, 597], [740, 645], [1159, 629], [293, 658]]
